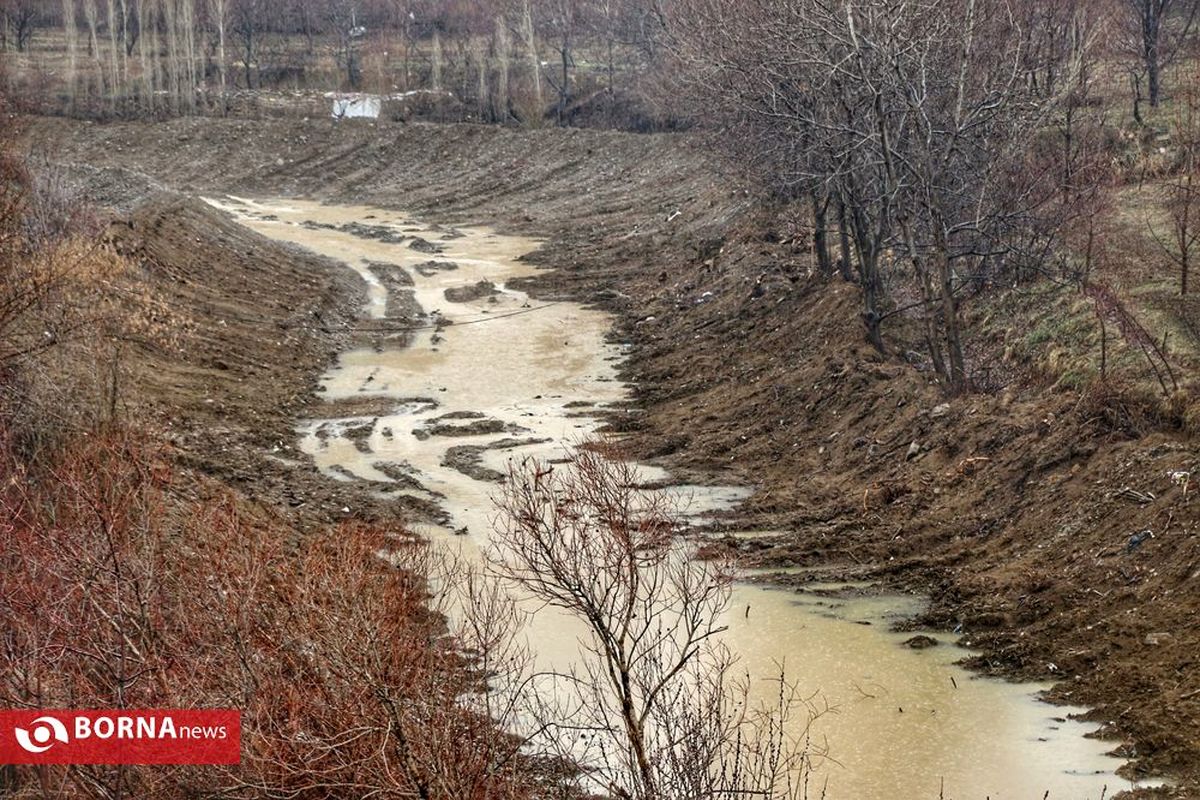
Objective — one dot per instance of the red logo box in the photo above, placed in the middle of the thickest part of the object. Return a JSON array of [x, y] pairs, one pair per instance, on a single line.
[[121, 736]]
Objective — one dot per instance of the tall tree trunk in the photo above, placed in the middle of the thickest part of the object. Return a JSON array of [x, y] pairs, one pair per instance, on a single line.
[[957, 367], [217, 8], [929, 294], [96, 73], [820, 207], [534, 61], [193, 55], [248, 55], [114, 73], [612, 82], [868, 276], [845, 258], [146, 52], [71, 36], [868, 265], [1153, 78], [1151, 30], [124, 45], [503, 47], [1185, 263], [564, 86], [171, 31], [435, 77]]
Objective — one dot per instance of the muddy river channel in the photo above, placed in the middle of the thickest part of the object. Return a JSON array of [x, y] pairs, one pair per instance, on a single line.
[[473, 373]]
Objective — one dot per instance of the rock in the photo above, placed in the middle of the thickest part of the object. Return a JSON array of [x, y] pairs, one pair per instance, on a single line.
[[940, 410], [609, 294], [428, 268], [380, 233], [1155, 639], [402, 473], [392, 272], [425, 246], [465, 294], [1136, 539], [921, 642], [467, 459], [914, 450]]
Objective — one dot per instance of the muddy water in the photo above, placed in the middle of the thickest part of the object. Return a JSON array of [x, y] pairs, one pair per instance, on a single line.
[[473, 380]]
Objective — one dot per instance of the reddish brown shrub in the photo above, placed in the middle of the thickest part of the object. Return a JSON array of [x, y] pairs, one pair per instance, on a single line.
[[116, 593]]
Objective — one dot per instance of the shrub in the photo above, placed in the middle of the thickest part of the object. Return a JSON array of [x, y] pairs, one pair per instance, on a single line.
[[116, 593]]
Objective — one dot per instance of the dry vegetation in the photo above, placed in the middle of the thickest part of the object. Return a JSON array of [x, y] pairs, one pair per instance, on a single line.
[[129, 579], [998, 198], [656, 711], [117, 593], [128, 582]]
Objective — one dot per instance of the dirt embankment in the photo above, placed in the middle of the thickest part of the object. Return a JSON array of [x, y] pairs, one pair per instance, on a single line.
[[253, 326], [1061, 542]]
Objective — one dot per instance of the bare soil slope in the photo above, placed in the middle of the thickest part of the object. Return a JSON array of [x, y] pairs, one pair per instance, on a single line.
[[254, 325], [1055, 529]]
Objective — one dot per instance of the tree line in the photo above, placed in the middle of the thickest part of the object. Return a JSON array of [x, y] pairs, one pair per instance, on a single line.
[[942, 146], [504, 61]]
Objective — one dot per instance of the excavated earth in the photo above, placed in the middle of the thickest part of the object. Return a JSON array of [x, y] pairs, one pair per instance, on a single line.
[[1061, 541]]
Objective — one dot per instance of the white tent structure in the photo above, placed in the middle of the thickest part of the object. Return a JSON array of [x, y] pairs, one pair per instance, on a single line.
[[366, 106]]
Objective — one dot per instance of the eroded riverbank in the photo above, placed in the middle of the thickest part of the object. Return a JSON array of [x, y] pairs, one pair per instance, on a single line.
[[466, 372], [768, 378]]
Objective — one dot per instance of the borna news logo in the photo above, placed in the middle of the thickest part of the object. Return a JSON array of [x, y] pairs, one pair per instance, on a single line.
[[124, 736], [45, 732]]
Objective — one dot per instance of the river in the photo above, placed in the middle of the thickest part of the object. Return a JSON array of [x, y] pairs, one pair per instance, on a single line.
[[486, 374]]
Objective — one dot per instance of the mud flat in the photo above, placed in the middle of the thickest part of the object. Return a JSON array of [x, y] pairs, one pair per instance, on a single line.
[[505, 376]]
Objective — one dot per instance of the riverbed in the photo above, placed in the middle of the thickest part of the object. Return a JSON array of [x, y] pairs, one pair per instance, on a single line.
[[471, 372]]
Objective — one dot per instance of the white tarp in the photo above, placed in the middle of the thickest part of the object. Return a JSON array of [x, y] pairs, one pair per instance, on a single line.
[[356, 105]]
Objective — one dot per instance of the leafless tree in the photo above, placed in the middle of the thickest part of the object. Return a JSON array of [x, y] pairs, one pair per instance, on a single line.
[[342, 16], [916, 117], [248, 20], [560, 23], [502, 51], [1152, 34], [218, 12], [529, 34], [650, 712], [1181, 190], [21, 17], [71, 36], [147, 51], [96, 73], [114, 52]]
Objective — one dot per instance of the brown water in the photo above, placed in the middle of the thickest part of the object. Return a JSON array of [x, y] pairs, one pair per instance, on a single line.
[[902, 724]]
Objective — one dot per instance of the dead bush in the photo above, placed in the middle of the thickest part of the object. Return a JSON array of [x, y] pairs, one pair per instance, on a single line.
[[653, 708], [117, 594], [69, 309], [1121, 407]]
